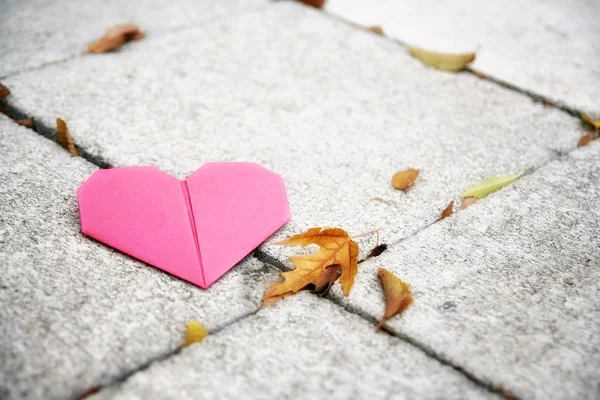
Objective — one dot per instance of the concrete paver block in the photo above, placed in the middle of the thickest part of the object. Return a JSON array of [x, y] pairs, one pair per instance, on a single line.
[[75, 313]]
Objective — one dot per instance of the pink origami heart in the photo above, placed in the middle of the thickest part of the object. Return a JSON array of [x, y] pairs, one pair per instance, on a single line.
[[196, 229]]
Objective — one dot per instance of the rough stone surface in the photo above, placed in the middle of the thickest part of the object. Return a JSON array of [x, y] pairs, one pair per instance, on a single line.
[[508, 288], [301, 348], [74, 313], [37, 32], [336, 117], [549, 47]]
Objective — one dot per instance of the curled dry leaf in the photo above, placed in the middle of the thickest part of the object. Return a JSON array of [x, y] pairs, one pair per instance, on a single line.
[[336, 247], [397, 295], [64, 137], [491, 185], [195, 332], [115, 37], [447, 211], [314, 3], [585, 139], [404, 179], [4, 91], [375, 252], [468, 201], [376, 29], [445, 61]]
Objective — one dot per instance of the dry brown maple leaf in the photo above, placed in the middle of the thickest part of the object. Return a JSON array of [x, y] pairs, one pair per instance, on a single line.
[[397, 295], [64, 137], [320, 288], [336, 247], [404, 179], [115, 37], [376, 29], [4, 91], [314, 3], [447, 211]]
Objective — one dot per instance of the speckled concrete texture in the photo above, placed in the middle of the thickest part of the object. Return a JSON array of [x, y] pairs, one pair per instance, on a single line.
[[38, 32], [508, 288], [548, 47], [302, 348], [334, 110], [74, 313]]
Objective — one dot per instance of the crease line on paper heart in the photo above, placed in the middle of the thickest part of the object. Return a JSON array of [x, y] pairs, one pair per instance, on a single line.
[[188, 204]]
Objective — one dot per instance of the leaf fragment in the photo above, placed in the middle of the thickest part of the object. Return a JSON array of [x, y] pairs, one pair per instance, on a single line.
[[491, 185], [336, 247], [585, 139], [397, 295], [25, 122], [116, 37], [376, 29], [376, 251], [64, 137], [447, 211], [468, 202], [445, 61], [595, 123], [195, 332], [314, 3], [402, 180], [4, 91]]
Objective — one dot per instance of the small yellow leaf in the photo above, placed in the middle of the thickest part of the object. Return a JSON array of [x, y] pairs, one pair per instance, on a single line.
[[447, 211], [594, 123], [64, 137], [445, 61], [397, 295], [404, 179], [468, 202], [195, 333], [115, 37], [585, 139], [490, 185], [4, 91]]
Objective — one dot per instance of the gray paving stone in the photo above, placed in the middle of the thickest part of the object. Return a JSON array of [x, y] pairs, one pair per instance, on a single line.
[[333, 109], [302, 348], [36, 32], [508, 288], [547, 47], [74, 313]]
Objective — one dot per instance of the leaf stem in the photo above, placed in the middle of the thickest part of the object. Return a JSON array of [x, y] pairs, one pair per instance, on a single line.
[[376, 230]]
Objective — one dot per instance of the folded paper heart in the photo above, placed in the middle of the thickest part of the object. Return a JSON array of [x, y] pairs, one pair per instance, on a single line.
[[196, 229]]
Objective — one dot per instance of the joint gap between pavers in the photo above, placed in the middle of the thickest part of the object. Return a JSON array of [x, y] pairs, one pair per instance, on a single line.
[[537, 98], [268, 259], [50, 134], [493, 388], [176, 29], [160, 358]]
